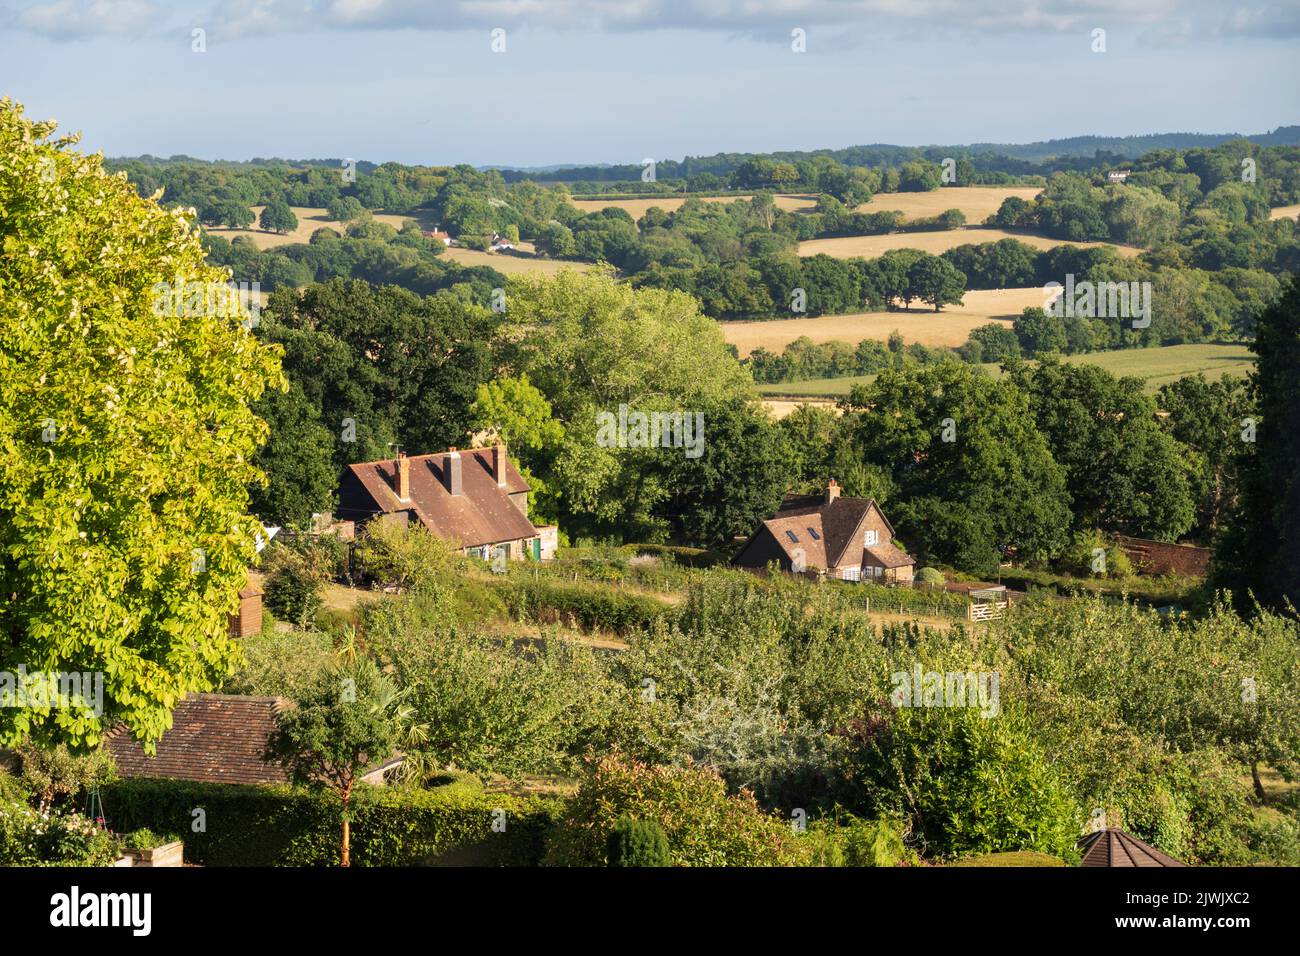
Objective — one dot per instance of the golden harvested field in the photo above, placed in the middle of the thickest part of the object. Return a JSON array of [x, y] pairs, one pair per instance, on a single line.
[[1285, 212], [950, 327], [869, 247], [636, 208], [309, 220], [977, 202], [779, 408], [524, 260]]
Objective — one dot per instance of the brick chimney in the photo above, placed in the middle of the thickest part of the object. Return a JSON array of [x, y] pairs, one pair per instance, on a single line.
[[402, 469], [499, 463], [451, 471], [832, 491]]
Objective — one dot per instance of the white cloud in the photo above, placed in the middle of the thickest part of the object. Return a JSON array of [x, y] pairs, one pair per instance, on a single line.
[[78, 19], [1156, 21]]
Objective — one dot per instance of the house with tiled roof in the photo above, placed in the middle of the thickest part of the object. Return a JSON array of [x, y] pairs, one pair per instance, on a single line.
[[475, 498], [215, 738], [846, 538]]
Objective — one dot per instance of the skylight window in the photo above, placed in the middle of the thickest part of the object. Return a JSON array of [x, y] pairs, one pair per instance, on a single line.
[[815, 535], [791, 535]]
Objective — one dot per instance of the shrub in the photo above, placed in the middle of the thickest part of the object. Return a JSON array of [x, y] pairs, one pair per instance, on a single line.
[[294, 579], [637, 843], [850, 841], [586, 606], [53, 774], [28, 838], [968, 783], [705, 825], [391, 826], [146, 839], [930, 578]]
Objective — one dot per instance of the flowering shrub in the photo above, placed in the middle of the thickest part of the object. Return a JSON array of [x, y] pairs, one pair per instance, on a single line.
[[30, 838]]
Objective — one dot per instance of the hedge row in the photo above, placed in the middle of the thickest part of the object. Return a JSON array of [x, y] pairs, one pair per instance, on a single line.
[[277, 826], [580, 604]]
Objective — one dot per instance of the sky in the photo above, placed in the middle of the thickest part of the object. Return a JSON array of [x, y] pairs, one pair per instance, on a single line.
[[593, 81]]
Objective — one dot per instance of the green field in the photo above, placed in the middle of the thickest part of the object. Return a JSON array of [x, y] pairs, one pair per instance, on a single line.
[[1156, 366]]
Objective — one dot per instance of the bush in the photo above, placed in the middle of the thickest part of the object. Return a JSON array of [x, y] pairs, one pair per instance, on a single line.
[[278, 826], [28, 838], [637, 843], [850, 841], [967, 783], [705, 825], [930, 578], [146, 839], [294, 579], [586, 606]]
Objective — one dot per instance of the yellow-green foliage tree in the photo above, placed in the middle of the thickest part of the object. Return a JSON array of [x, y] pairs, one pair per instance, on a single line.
[[125, 444]]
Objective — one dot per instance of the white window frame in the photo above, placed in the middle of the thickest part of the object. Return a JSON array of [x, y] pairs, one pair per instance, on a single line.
[[871, 539]]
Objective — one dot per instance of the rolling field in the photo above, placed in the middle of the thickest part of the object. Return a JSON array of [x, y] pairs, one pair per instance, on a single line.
[[1285, 212], [309, 220], [636, 207], [868, 247], [1156, 367], [950, 327], [523, 260], [977, 202]]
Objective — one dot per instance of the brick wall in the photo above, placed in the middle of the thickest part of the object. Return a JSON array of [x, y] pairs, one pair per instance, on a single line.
[[1162, 557]]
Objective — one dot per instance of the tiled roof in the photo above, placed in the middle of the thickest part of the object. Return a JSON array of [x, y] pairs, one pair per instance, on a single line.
[[482, 514], [214, 738], [1113, 847], [889, 556], [835, 523]]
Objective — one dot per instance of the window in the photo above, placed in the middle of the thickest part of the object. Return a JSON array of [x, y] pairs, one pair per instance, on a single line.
[[792, 537], [815, 535], [872, 539]]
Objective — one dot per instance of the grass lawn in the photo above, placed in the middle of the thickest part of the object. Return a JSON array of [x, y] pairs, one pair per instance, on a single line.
[[1156, 366]]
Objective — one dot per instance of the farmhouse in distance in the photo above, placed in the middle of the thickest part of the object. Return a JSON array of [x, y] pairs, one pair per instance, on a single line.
[[845, 538], [475, 498]]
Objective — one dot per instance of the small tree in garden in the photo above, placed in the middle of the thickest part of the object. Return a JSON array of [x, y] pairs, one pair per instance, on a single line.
[[346, 721], [54, 772], [637, 843]]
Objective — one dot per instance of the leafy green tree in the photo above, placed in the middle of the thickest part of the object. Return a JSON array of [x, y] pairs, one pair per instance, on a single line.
[[736, 483], [1262, 550], [347, 209], [934, 280], [298, 460], [1123, 472], [1209, 419], [1040, 332], [381, 364], [126, 444], [973, 472], [350, 719], [278, 217], [516, 412]]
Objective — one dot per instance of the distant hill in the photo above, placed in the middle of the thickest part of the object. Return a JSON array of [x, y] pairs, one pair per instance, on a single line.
[[1016, 158]]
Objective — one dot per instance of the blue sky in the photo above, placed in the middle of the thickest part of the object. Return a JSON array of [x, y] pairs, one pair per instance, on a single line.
[[597, 81]]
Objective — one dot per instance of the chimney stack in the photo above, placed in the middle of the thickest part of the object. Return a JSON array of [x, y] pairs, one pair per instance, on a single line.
[[499, 463], [402, 468], [832, 491], [451, 469]]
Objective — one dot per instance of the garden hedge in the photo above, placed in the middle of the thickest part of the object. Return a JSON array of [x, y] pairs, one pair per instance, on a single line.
[[278, 826]]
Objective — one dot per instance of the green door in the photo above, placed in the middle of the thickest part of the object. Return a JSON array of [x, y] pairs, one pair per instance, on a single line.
[[537, 549]]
